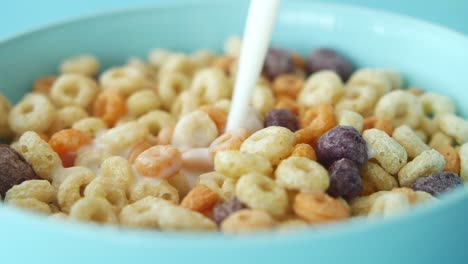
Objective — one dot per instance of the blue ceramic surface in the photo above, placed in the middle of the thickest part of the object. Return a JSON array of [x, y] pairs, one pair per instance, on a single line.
[[430, 57]]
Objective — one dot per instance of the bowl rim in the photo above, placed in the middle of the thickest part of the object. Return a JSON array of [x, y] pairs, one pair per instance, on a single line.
[[111, 234]]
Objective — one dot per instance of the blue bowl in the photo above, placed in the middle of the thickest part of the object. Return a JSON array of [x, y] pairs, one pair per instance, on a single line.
[[431, 57]]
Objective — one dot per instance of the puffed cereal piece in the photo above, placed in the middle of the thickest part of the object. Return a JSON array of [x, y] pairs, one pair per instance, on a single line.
[[153, 212], [232, 46], [436, 104], [375, 78], [317, 121], [263, 99], [126, 80], [158, 57], [200, 199], [378, 177], [440, 139], [401, 107], [177, 62], [323, 87], [429, 125], [94, 209], [142, 102], [233, 163], [231, 140], [394, 77], [202, 58], [318, 207], [194, 130], [33, 113], [452, 160], [110, 106], [31, 204], [287, 85], [390, 155], [60, 174], [41, 190], [90, 125], [218, 116], [412, 143], [120, 170], [415, 197], [44, 84], [72, 189], [170, 85], [247, 221], [284, 102], [107, 188], [455, 127], [163, 190], [389, 204], [350, 118], [161, 161], [274, 143], [124, 136], [360, 99], [210, 85], [165, 136], [38, 153], [463, 153], [181, 182], [91, 157], [213, 180], [258, 191], [83, 64], [185, 103], [66, 117], [304, 150], [291, 225], [362, 205], [302, 174], [425, 164], [73, 89], [379, 123], [5, 130], [156, 120]]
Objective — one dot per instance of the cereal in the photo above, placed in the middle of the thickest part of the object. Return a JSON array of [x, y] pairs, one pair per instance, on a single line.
[[273, 143], [202, 58], [125, 80], [72, 189], [288, 85], [284, 102], [73, 89], [389, 204], [158, 57], [452, 160], [120, 170], [277, 61], [379, 123], [329, 59], [282, 117], [33, 113], [260, 192], [407, 138], [142, 102], [213, 180], [455, 127], [360, 99], [436, 104], [373, 78], [217, 115], [318, 120], [66, 117], [60, 174], [44, 84], [41, 190], [323, 87], [159, 162], [165, 136], [90, 126], [318, 207], [31, 204], [200, 199], [464, 162], [196, 130], [137, 149], [91, 157], [170, 85], [341, 142], [377, 177], [93, 209], [124, 136], [13, 169], [163, 190], [302, 174], [345, 180], [223, 210], [401, 108], [157, 120], [210, 85], [390, 155], [84, 64], [107, 188], [304, 150], [437, 183], [426, 163], [109, 106], [224, 63], [234, 163], [177, 62], [247, 221], [66, 143], [350, 118], [181, 182], [439, 140], [230, 140], [263, 99]]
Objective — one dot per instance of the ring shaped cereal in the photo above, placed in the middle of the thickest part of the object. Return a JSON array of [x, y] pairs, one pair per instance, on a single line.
[[142, 102], [230, 140], [412, 143], [302, 174], [185, 103], [41, 190], [66, 117], [210, 85], [389, 204], [33, 113], [401, 107], [163, 190], [360, 99], [377, 79], [84, 64], [124, 136], [233, 163], [31, 204], [170, 85], [318, 207], [94, 209], [73, 89], [177, 62], [323, 87], [107, 188], [263, 100], [156, 120], [159, 162], [72, 189], [425, 164], [109, 106], [247, 220], [202, 58], [287, 85], [90, 125], [214, 181], [435, 104], [455, 127], [318, 120], [125, 80], [350, 118], [194, 130], [119, 170]]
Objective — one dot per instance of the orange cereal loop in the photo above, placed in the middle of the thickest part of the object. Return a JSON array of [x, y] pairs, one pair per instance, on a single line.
[[231, 140], [165, 136], [318, 207], [415, 91], [200, 199], [381, 124], [224, 63], [43, 84], [412, 197], [368, 187], [287, 85], [304, 150], [304, 136], [285, 102], [67, 142], [218, 116], [43, 136], [318, 120], [452, 160], [137, 149], [162, 161], [298, 61], [110, 106]]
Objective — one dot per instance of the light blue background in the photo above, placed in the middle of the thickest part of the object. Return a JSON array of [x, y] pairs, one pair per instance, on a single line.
[[21, 15]]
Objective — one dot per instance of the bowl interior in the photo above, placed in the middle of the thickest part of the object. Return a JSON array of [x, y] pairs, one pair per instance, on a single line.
[[430, 57]]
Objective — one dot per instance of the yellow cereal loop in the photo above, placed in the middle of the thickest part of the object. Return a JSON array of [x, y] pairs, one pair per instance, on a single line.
[[170, 85], [156, 120], [162, 190], [350, 118], [93, 209], [31, 204], [72, 189], [177, 62], [436, 104], [158, 57], [41, 190], [401, 107], [194, 130], [185, 103], [213, 180], [142, 102], [455, 127], [389, 204], [377, 79], [263, 100], [34, 112], [90, 125], [302, 174], [73, 89], [323, 87], [59, 175], [440, 139], [247, 221], [119, 170], [66, 117], [233, 164], [378, 177], [412, 143], [210, 85], [83, 64], [202, 58], [124, 136], [425, 164], [362, 205], [107, 188], [125, 80], [360, 99]]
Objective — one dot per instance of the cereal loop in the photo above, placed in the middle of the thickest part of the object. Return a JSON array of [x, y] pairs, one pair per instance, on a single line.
[[283, 102], [90, 125], [125, 80], [44, 84], [360, 99], [66, 117], [170, 85], [83, 64], [318, 120], [230, 140], [94, 209], [66, 143], [194, 130], [107, 188], [425, 164], [214, 181], [247, 221], [31, 204], [210, 85], [401, 107], [318, 207], [452, 160], [163, 190], [142, 102], [455, 127], [73, 89], [109, 106], [33, 113], [233, 163], [200, 199], [304, 150], [217, 115], [323, 87], [159, 162], [378, 123], [72, 189], [406, 137], [302, 174], [124, 136], [118, 169], [41, 190], [351, 118]]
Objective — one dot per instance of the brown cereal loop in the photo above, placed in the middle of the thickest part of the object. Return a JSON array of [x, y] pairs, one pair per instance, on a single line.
[[318, 207], [93, 209], [33, 113], [247, 221]]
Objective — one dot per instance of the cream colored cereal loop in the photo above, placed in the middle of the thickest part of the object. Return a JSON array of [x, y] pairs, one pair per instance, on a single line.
[[463, 153], [83, 64], [302, 174], [158, 57], [185, 103], [229, 188], [119, 170], [90, 125], [38, 153], [232, 46], [389, 204], [246, 221], [33, 113], [427, 163], [439, 140], [126, 80], [263, 100], [5, 130], [455, 127], [142, 102], [73, 89], [381, 179], [202, 58], [429, 125], [210, 85], [390, 155], [224, 105], [59, 175], [94, 209], [107, 188], [323, 87], [181, 182], [412, 143], [170, 85], [393, 77], [177, 62], [156, 120], [72, 189], [362, 205], [66, 117], [194, 130], [260, 192], [147, 70], [38, 189], [436, 104], [92, 157], [163, 190], [274, 143], [374, 78], [152, 212], [360, 99], [124, 136], [401, 107], [31, 204], [233, 163], [350, 118], [213, 180]]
